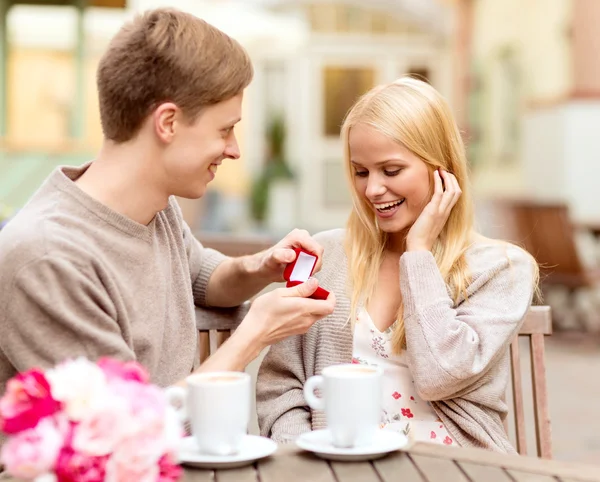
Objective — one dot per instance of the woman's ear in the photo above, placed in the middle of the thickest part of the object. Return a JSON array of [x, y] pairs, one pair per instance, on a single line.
[[439, 170]]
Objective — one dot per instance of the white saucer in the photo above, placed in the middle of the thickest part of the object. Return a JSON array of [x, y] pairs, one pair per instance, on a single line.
[[253, 448], [319, 442]]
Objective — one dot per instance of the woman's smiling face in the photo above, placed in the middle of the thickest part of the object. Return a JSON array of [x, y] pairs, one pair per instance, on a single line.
[[394, 182]]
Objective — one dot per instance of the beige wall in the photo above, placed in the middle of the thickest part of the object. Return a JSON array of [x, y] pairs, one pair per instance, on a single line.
[[39, 87], [547, 48], [586, 48], [538, 30], [41, 100], [534, 35], [93, 129]]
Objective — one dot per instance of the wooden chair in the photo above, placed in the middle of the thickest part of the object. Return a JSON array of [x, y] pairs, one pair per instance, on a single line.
[[216, 325], [537, 324]]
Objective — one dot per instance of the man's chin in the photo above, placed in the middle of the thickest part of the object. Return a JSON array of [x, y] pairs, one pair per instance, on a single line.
[[195, 193]]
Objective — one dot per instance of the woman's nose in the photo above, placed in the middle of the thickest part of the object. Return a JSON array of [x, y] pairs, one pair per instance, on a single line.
[[375, 187]]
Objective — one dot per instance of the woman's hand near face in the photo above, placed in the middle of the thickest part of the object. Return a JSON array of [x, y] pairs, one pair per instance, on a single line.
[[429, 224]]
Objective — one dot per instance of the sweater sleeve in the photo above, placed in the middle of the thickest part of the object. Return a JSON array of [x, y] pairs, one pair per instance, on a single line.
[[282, 411], [203, 262], [54, 309], [451, 348]]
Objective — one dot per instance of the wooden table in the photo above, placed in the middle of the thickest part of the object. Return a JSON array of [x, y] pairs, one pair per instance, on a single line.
[[419, 463]]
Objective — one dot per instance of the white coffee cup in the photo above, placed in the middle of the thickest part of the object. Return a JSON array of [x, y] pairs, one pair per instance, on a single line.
[[218, 406], [352, 398]]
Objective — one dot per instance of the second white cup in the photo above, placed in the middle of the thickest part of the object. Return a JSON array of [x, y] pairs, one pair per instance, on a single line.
[[351, 400]]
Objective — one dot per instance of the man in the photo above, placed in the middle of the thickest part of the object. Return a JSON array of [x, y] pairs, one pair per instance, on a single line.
[[100, 261]]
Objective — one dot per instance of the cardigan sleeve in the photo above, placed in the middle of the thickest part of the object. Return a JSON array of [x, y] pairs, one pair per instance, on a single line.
[[283, 413], [280, 405], [449, 348]]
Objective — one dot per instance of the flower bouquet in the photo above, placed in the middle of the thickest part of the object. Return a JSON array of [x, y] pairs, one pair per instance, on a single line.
[[89, 422]]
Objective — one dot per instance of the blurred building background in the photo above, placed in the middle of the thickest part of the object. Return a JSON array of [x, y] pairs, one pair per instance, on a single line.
[[523, 78]]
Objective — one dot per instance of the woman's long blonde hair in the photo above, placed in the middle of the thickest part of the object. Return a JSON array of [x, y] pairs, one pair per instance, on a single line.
[[414, 114]]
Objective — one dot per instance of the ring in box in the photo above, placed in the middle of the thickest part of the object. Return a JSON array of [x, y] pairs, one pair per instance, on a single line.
[[299, 270]]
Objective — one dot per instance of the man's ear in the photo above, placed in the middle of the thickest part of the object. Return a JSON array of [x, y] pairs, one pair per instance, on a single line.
[[165, 121]]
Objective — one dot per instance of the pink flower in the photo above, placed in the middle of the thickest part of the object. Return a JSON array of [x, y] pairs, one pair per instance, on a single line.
[[73, 466], [147, 406], [99, 432], [123, 370], [33, 452], [170, 471], [135, 460], [26, 401]]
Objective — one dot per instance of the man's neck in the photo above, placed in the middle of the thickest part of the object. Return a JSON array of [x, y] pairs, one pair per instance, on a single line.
[[122, 178]]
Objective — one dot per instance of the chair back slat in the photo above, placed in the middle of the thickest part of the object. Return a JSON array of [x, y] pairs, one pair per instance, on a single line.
[[517, 392], [540, 396], [222, 336], [536, 325], [203, 345], [209, 341], [215, 326]]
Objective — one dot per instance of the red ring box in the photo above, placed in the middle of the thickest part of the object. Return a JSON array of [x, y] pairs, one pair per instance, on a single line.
[[299, 270]]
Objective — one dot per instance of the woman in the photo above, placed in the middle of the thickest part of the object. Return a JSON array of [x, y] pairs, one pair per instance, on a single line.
[[430, 300]]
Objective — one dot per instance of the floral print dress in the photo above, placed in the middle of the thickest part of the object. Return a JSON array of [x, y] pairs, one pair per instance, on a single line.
[[403, 410]]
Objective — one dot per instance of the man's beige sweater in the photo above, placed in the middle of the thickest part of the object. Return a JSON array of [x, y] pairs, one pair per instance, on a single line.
[[458, 352], [77, 278]]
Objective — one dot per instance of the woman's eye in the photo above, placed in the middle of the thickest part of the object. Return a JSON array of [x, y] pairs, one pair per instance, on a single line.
[[392, 173], [361, 173]]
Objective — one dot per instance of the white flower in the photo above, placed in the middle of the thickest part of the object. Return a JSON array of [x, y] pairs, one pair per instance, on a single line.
[[46, 478], [79, 384]]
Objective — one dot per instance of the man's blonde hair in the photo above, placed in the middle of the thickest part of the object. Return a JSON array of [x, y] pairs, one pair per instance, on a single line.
[[165, 55], [415, 115]]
